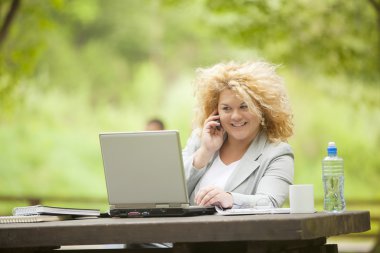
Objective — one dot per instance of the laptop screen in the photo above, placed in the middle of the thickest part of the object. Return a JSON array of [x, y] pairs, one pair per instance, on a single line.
[[143, 168]]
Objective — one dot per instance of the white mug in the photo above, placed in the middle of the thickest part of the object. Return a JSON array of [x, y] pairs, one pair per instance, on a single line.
[[301, 198]]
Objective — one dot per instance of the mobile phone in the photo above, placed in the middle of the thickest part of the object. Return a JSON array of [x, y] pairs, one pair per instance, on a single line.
[[218, 127]]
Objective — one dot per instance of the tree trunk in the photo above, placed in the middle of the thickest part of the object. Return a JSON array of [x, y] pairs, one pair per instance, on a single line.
[[8, 20], [376, 6]]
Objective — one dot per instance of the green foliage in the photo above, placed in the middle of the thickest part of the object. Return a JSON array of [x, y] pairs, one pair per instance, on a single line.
[[334, 36], [20, 53], [72, 69]]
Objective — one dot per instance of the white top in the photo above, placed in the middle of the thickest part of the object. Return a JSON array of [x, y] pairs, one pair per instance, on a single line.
[[218, 173]]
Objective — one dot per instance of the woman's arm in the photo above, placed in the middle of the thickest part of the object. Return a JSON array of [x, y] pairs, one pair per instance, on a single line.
[[192, 174]]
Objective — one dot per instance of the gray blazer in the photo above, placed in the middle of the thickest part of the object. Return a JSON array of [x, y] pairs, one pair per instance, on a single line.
[[261, 178]]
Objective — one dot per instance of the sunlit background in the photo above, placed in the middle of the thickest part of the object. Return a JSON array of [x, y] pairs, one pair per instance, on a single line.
[[72, 69]]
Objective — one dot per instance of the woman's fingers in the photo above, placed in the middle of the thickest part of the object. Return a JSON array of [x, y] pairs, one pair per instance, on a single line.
[[211, 196], [208, 196], [213, 117], [202, 193]]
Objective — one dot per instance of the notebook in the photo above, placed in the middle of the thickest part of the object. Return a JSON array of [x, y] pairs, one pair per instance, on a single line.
[[32, 218], [145, 175], [52, 210]]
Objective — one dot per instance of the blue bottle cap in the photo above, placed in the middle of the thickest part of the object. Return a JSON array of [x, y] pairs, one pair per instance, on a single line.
[[331, 148]]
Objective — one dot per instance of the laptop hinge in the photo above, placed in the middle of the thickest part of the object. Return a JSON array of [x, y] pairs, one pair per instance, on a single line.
[[172, 205], [162, 205]]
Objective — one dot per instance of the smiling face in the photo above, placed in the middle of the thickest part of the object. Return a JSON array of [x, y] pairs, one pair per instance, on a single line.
[[236, 119]]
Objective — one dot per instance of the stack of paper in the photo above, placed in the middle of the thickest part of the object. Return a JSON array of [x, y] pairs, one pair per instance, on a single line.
[[245, 211], [32, 218], [40, 213], [50, 210]]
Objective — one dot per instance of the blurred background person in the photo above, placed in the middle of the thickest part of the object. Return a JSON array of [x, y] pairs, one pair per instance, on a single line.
[[154, 124]]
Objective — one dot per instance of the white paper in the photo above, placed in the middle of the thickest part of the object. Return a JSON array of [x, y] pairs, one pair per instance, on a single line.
[[250, 211]]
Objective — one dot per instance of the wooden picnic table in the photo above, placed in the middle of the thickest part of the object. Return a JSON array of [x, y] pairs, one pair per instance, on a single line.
[[210, 233]]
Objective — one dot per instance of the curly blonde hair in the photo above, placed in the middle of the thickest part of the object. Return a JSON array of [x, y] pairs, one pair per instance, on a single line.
[[257, 84]]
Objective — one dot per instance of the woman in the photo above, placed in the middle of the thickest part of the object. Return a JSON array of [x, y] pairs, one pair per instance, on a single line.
[[238, 156]]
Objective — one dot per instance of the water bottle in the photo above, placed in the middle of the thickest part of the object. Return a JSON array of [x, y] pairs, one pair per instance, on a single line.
[[333, 180]]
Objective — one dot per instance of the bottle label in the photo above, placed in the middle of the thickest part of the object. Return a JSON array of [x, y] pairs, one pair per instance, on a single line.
[[334, 193]]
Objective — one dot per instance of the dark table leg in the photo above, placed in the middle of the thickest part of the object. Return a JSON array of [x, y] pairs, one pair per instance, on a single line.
[[28, 250], [297, 246]]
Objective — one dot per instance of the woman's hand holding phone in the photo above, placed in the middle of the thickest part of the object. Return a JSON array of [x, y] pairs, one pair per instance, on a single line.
[[211, 140]]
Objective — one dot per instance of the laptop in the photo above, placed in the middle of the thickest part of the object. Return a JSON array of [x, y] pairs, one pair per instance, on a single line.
[[145, 175]]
